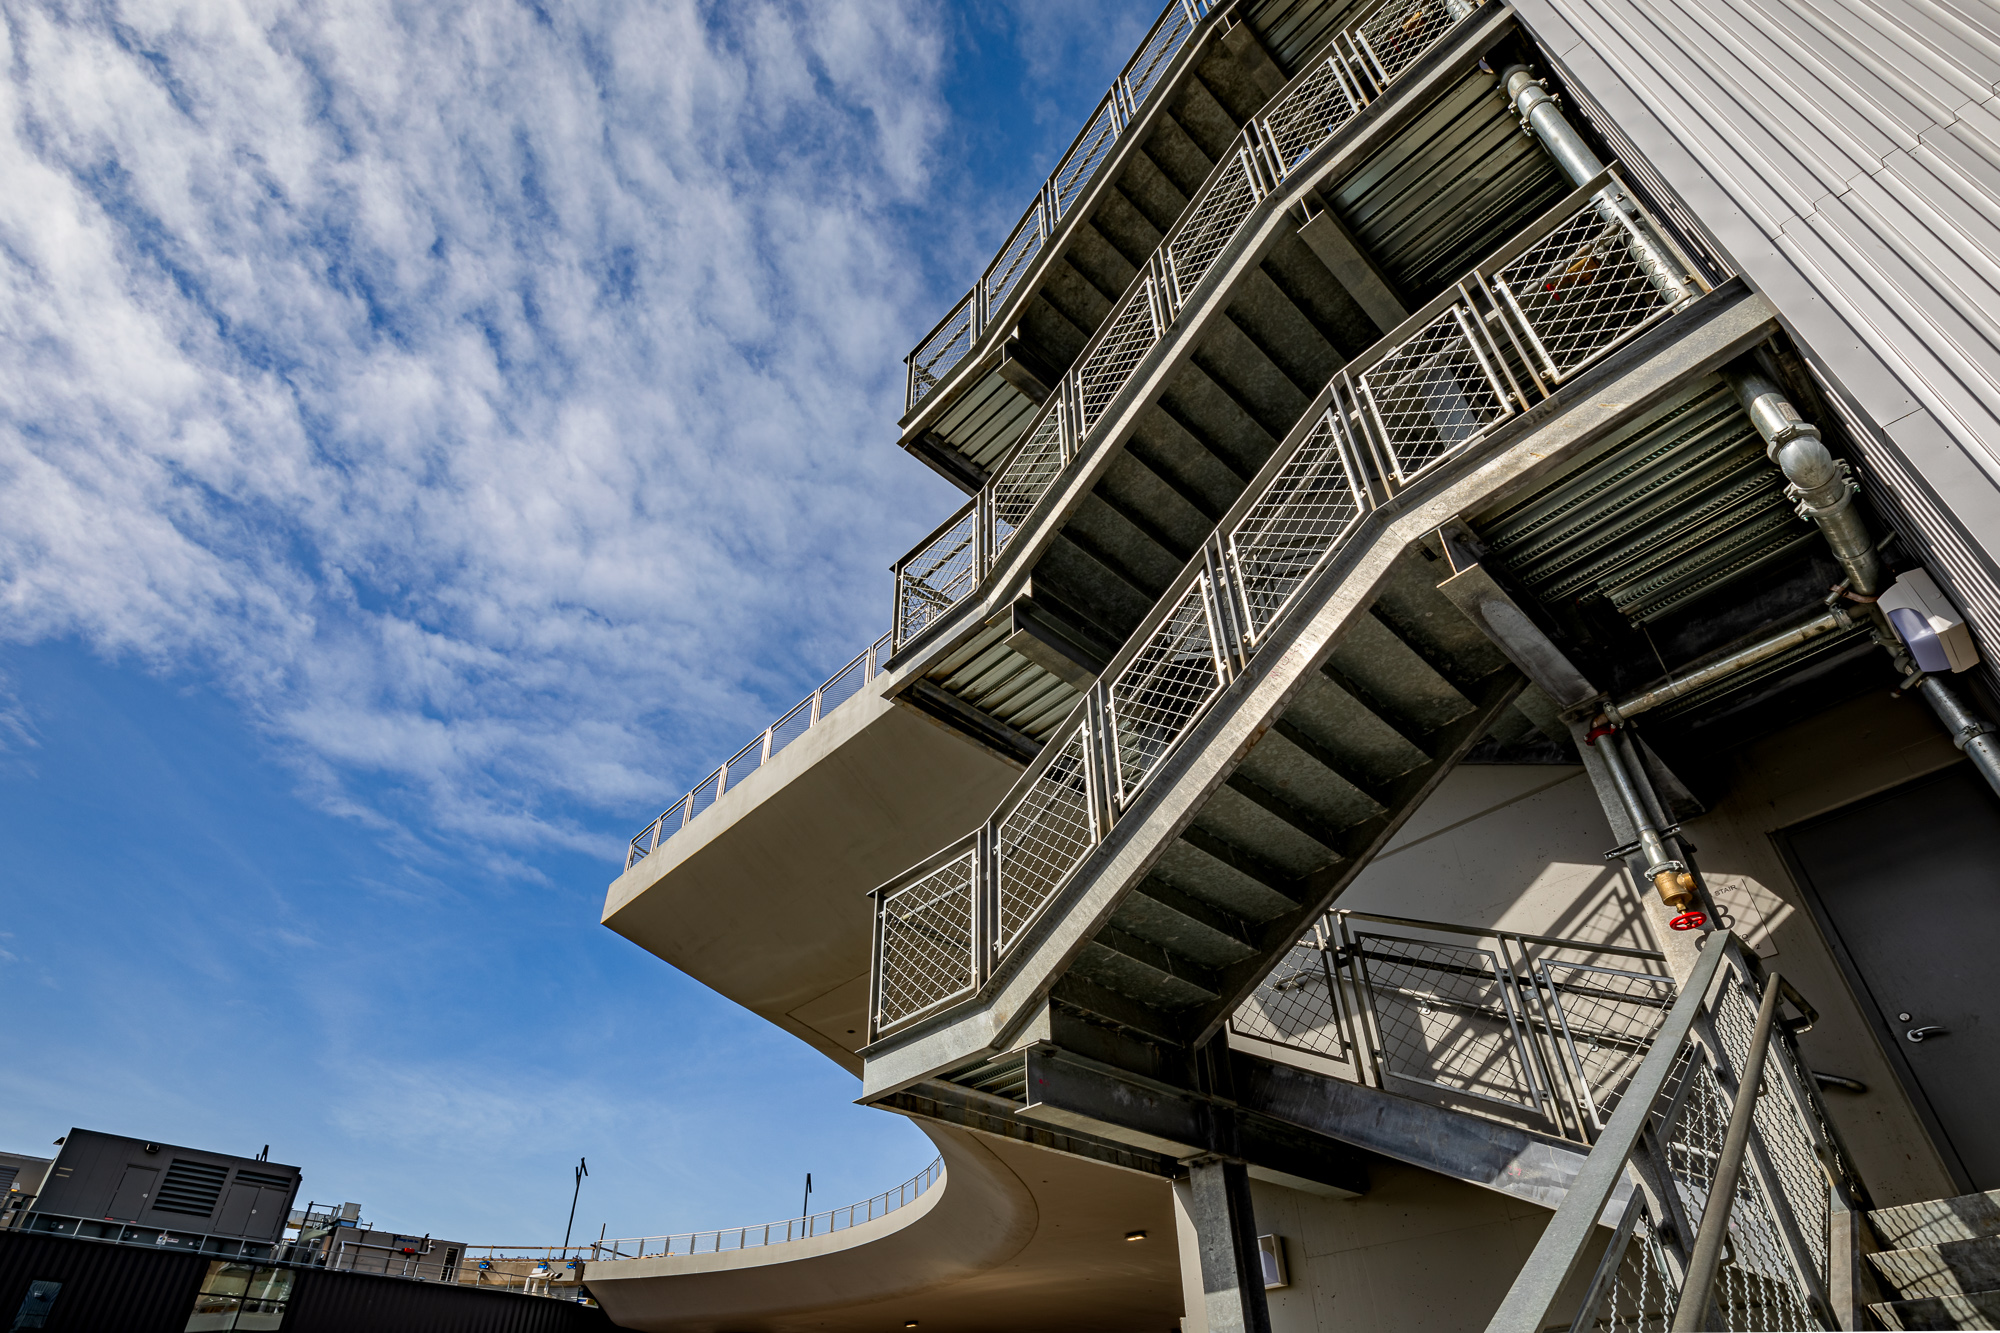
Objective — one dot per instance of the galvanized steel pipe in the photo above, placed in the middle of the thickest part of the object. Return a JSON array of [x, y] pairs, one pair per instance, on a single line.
[[1676, 687], [1819, 481], [1971, 733], [1669, 876], [1541, 116]]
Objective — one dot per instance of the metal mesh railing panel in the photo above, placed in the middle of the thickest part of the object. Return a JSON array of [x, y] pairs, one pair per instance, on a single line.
[[1025, 478], [1295, 1005], [1041, 839], [1014, 258], [1788, 1144], [745, 762], [704, 796], [935, 357], [1446, 1018], [1641, 1298], [1211, 220], [1432, 394], [1156, 57], [846, 683], [1075, 172], [1755, 1286], [1607, 1021], [1320, 102], [1163, 688], [1398, 33], [927, 942], [1310, 505], [938, 577], [791, 726], [1109, 364], [1580, 291]]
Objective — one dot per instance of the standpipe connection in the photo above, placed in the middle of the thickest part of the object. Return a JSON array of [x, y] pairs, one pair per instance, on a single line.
[[1670, 875], [1541, 117]]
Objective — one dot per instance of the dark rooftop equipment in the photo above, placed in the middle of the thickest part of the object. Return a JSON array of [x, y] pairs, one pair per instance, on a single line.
[[106, 1187]]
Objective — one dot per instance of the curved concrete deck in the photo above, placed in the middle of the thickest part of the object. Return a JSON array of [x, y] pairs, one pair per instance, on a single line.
[[1013, 1238], [763, 895]]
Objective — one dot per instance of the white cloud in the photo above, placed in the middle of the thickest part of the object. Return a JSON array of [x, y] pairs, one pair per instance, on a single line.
[[489, 397]]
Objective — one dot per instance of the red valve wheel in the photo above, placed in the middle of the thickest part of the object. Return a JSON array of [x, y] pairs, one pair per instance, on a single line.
[[1689, 921]]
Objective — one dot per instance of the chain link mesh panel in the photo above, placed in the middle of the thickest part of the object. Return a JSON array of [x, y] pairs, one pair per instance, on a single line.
[[1310, 505], [1081, 164], [1012, 262], [1043, 838], [1432, 395], [927, 941], [1321, 101], [1109, 364], [1641, 1298], [1399, 33], [1209, 223], [1163, 688], [1755, 1287], [938, 577], [1027, 476], [933, 360], [1295, 1004], [1607, 1021], [1580, 291], [1788, 1143], [1446, 1017]]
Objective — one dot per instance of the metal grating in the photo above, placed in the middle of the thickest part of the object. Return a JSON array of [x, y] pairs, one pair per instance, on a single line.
[[1607, 1019], [1787, 1142], [937, 577], [1129, 336], [1321, 100], [1156, 54], [190, 1187], [1098, 137], [1433, 394], [1445, 1015], [1581, 290], [1015, 256], [926, 942], [1165, 686], [945, 348], [1397, 34], [1641, 1298], [1295, 1004], [1026, 477], [1209, 223], [1043, 838], [1309, 507]]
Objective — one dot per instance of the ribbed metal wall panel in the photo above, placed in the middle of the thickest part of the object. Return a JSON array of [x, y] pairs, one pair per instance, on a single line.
[[1845, 157]]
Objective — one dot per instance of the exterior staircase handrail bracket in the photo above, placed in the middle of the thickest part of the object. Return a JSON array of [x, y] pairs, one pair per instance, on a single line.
[[1406, 405]]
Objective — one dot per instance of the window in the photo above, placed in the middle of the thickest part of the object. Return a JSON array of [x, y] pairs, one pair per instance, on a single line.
[[35, 1306], [239, 1295]]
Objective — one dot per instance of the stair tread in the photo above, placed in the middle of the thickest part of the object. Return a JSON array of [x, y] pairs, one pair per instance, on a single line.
[[1934, 1221], [1977, 1310], [1950, 1268]]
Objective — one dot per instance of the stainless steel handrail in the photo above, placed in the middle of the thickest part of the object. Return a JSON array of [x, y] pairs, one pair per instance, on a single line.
[[955, 335], [725, 1239], [808, 713]]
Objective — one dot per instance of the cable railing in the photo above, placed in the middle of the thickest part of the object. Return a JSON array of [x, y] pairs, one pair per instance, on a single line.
[[1529, 1029], [1725, 1153], [808, 713], [1579, 282], [726, 1238], [946, 345], [1351, 69]]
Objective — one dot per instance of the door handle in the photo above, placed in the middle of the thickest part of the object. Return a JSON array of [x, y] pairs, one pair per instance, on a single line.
[[1918, 1034]]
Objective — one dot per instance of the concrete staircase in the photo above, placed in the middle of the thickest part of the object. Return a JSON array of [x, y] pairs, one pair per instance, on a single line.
[[1943, 1267]]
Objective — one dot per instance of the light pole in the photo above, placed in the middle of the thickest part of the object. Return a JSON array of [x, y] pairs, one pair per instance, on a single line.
[[582, 1170], [805, 1209]]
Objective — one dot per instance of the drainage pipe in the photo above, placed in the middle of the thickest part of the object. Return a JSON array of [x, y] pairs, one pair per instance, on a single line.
[[1831, 621], [1819, 481], [1544, 119]]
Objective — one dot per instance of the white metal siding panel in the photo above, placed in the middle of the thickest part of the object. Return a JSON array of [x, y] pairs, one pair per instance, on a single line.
[[1845, 156]]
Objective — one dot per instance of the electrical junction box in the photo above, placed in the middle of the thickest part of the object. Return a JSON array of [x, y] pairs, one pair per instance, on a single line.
[[1271, 1251], [1929, 625]]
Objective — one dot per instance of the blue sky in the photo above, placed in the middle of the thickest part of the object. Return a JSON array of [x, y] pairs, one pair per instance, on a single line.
[[431, 436]]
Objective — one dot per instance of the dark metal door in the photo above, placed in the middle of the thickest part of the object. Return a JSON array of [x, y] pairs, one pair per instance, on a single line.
[[135, 1191], [237, 1206], [1908, 887]]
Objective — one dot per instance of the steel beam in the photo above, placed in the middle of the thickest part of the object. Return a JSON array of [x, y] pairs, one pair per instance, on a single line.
[[1225, 1229]]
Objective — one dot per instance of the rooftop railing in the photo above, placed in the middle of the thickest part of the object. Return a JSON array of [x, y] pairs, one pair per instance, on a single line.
[[1579, 282], [946, 345], [1352, 69], [808, 713], [727, 1238]]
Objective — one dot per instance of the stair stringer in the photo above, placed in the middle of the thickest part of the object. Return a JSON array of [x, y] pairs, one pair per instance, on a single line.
[[1550, 436]]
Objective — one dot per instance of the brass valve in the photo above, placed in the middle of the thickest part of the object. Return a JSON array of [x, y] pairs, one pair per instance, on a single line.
[[1676, 888]]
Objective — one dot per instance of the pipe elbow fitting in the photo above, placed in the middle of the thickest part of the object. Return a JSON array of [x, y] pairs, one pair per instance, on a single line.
[[1676, 888], [1806, 462]]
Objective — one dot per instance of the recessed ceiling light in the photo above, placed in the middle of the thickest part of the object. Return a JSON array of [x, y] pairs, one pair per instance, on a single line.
[[1135, 1235]]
